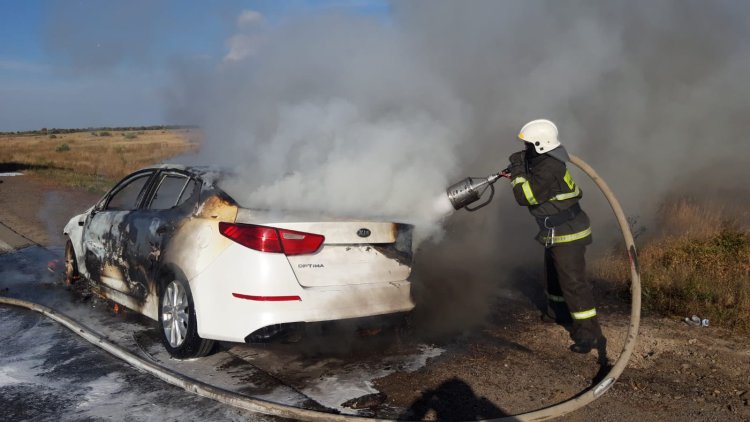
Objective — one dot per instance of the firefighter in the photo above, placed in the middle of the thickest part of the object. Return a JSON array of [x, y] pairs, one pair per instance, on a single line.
[[542, 183]]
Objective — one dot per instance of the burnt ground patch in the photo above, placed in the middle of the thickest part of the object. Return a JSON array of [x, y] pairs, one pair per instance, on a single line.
[[8, 167]]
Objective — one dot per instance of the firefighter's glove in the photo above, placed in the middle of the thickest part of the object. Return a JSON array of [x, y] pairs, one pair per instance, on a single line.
[[517, 164]]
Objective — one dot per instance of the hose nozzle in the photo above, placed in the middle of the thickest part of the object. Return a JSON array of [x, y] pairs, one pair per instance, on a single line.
[[469, 190]]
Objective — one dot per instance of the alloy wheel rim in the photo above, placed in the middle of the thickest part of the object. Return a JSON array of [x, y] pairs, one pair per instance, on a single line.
[[174, 312], [69, 262]]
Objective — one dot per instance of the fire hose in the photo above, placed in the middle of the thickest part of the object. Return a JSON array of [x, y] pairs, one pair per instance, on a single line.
[[596, 391], [471, 189], [261, 406]]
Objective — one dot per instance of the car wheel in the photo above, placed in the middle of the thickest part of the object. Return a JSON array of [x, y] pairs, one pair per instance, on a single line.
[[178, 323], [73, 280], [71, 266]]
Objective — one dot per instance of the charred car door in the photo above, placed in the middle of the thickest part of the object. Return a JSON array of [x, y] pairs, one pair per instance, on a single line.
[[149, 229], [104, 226]]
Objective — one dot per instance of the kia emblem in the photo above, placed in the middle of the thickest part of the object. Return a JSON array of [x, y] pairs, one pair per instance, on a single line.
[[363, 232]]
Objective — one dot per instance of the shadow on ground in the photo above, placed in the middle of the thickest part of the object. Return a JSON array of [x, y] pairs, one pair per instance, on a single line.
[[453, 400]]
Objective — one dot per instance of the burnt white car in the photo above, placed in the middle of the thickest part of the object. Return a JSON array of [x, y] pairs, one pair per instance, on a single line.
[[169, 243]]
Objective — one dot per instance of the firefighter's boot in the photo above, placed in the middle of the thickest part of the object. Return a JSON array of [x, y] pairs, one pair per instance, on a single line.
[[587, 335]]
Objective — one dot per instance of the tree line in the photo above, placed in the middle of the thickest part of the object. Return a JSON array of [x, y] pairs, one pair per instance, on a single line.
[[55, 131]]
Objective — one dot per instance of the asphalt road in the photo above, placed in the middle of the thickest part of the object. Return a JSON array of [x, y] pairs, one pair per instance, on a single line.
[[48, 373]]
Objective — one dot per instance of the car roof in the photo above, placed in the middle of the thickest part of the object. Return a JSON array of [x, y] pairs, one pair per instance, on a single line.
[[207, 173], [168, 166]]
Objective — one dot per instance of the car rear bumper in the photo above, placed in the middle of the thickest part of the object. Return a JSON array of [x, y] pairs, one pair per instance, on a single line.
[[244, 290]]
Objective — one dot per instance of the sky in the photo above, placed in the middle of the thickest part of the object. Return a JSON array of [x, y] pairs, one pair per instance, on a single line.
[[108, 63]]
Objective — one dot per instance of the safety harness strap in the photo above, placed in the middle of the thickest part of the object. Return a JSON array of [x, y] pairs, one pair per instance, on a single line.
[[561, 217]]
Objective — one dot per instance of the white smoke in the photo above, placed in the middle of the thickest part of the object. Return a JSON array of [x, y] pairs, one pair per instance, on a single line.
[[248, 39], [372, 116], [336, 114], [391, 167]]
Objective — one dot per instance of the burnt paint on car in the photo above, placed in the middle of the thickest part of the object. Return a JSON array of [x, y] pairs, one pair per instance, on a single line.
[[146, 232], [401, 250], [132, 245]]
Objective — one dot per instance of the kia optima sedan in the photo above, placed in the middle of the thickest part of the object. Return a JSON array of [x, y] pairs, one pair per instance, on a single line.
[[169, 243]]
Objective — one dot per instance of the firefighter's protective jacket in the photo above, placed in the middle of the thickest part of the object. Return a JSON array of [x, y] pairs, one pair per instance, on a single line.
[[544, 184]]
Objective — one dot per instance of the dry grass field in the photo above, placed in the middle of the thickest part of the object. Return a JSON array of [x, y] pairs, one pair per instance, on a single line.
[[697, 264], [93, 160]]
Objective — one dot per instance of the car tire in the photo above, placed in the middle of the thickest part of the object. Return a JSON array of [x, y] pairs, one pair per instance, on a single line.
[[178, 324], [71, 266]]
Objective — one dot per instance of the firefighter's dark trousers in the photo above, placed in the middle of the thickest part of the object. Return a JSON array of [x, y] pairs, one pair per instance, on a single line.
[[571, 296]]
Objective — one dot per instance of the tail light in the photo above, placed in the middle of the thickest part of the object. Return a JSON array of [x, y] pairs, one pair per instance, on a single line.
[[271, 239]]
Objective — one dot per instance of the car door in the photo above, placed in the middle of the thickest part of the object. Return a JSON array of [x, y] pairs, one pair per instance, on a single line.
[[104, 229], [149, 229]]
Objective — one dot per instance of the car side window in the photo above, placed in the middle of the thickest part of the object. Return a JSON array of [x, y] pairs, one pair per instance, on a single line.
[[173, 190], [187, 193], [127, 197]]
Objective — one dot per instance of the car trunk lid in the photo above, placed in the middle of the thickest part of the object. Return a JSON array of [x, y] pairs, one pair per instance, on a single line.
[[353, 252]]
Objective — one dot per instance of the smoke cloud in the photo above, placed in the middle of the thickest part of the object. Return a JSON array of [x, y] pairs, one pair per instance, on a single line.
[[374, 117], [334, 114]]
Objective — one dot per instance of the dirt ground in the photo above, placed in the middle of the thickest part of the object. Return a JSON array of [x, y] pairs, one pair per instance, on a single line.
[[513, 363], [38, 208]]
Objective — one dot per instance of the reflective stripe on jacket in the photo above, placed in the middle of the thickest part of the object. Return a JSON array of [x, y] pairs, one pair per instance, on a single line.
[[548, 189], [528, 198]]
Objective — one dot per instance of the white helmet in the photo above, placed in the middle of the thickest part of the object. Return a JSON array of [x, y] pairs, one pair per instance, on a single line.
[[542, 134]]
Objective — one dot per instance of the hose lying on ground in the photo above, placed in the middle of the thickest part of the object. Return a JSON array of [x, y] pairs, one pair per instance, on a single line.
[[261, 406], [635, 315], [186, 383]]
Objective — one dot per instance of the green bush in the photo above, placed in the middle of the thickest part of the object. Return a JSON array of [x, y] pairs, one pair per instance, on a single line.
[[105, 133], [53, 136], [62, 148]]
